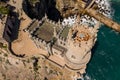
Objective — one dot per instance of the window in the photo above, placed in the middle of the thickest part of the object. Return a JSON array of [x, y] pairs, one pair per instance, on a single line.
[[73, 57]]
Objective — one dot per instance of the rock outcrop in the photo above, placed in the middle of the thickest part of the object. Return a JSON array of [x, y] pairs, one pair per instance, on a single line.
[[40, 8]]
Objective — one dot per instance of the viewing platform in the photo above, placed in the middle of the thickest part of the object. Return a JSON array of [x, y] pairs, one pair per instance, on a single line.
[[105, 20], [90, 10]]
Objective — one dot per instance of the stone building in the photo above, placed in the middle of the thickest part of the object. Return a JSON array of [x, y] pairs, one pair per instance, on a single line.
[[70, 45]]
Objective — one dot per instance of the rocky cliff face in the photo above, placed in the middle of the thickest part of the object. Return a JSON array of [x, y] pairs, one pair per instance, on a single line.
[[38, 9]]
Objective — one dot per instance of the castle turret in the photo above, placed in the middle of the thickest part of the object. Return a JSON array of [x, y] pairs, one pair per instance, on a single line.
[[79, 46]]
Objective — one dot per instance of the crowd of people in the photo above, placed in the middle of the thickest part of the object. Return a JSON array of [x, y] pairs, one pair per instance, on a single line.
[[69, 21], [103, 8]]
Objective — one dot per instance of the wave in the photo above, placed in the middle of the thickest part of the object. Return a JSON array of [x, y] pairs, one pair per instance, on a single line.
[[87, 77]]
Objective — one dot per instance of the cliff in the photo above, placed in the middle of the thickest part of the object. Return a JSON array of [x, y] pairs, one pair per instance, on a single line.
[[40, 8]]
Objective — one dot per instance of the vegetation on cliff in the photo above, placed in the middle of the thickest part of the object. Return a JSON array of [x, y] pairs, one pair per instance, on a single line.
[[3, 8], [38, 8]]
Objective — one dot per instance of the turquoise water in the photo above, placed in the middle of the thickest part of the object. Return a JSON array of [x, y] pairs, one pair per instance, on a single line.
[[105, 62]]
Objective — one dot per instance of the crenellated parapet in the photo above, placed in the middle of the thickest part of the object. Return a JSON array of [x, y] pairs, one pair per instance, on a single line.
[[70, 44]]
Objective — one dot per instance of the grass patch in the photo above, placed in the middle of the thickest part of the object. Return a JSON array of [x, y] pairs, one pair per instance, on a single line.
[[4, 10]]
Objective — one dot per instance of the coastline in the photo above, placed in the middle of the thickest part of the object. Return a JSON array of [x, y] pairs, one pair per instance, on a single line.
[[107, 50]]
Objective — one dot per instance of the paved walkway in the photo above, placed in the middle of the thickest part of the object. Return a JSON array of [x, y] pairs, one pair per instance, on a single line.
[[57, 59], [107, 21]]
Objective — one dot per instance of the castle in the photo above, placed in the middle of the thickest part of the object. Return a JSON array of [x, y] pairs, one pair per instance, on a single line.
[[67, 46]]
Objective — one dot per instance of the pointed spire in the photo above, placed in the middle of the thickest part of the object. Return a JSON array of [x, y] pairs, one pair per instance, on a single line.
[[59, 21], [59, 24], [45, 16], [54, 31]]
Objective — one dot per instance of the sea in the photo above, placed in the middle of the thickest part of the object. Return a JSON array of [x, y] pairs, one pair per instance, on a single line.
[[105, 61]]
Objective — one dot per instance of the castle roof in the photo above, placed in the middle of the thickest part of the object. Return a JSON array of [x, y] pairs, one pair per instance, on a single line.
[[43, 29], [60, 48], [65, 32]]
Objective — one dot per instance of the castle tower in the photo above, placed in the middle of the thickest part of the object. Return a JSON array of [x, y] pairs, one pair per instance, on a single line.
[[69, 37], [78, 54]]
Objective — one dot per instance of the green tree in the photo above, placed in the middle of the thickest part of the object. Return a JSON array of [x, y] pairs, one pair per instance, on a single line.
[[4, 10]]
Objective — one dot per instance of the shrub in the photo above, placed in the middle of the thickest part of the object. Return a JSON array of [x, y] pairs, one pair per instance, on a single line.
[[4, 10]]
